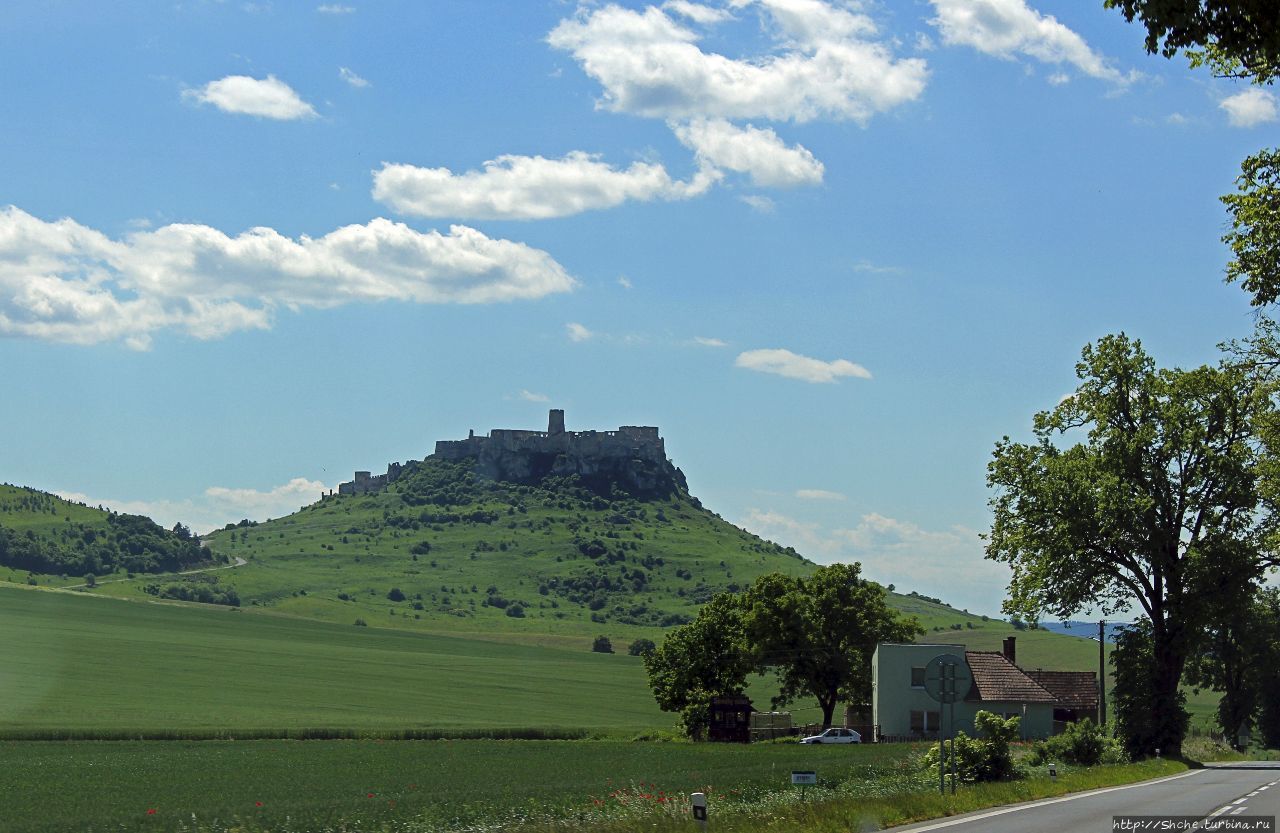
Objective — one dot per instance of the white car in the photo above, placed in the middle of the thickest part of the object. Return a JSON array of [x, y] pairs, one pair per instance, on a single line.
[[834, 736]]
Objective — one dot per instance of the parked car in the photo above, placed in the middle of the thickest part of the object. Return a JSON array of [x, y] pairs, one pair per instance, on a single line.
[[834, 736]]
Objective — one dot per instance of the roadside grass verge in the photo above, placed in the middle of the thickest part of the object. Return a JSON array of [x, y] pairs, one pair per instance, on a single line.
[[316, 733]]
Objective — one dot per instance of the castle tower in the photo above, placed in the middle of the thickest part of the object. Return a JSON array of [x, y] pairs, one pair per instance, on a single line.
[[555, 422]]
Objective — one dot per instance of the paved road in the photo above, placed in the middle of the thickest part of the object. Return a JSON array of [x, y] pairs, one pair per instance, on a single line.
[[1220, 790]]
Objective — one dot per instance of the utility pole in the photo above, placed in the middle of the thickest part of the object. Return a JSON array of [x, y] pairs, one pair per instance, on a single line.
[[1102, 673]]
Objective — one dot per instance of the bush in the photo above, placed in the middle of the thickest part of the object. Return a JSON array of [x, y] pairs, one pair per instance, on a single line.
[[396, 594], [641, 648], [516, 611], [360, 623], [1082, 743], [986, 758], [602, 645]]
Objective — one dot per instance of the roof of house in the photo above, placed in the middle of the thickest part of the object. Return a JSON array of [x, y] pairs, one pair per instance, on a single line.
[[996, 678], [1072, 689]]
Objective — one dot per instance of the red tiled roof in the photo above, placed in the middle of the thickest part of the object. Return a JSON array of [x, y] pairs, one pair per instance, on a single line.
[[1072, 689], [996, 678]]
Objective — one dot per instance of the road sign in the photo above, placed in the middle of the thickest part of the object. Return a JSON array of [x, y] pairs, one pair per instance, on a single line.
[[807, 778], [947, 678]]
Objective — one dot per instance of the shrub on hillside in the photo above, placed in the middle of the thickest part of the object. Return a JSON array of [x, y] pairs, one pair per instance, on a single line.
[[395, 594], [641, 648], [602, 645]]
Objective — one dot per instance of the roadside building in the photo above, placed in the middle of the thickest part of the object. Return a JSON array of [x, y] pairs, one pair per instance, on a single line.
[[903, 710]]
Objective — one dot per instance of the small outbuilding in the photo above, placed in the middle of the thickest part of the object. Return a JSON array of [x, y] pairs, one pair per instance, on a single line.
[[730, 719]]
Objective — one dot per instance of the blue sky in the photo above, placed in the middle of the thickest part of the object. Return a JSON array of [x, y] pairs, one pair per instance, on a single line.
[[833, 250]]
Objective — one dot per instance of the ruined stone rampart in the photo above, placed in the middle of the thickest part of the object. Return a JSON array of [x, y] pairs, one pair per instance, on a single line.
[[634, 457]]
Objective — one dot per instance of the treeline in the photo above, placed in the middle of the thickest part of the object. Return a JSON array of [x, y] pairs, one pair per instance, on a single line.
[[132, 543]]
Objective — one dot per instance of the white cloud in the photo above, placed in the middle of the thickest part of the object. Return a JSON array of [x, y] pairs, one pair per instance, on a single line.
[[818, 494], [528, 187], [876, 269], [709, 342], [1006, 28], [218, 506], [1250, 108], [530, 396], [624, 282], [697, 12], [351, 78], [61, 281], [334, 8], [577, 332], [757, 152], [824, 65], [946, 563], [759, 203], [1057, 79], [795, 366], [270, 97]]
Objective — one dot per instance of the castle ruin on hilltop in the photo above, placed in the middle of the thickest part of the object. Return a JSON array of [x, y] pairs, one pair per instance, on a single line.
[[633, 456]]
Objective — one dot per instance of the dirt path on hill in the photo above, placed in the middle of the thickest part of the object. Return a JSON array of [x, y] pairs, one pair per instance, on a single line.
[[238, 562]]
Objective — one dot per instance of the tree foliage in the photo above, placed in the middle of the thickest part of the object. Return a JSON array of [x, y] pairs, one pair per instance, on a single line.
[[706, 658], [818, 633], [1254, 237], [1159, 505], [1234, 37], [126, 542]]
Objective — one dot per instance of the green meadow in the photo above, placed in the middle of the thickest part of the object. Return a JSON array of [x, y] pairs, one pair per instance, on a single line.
[[58, 786]]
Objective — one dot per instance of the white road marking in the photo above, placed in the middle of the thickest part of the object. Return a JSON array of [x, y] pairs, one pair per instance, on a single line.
[[1240, 800], [1237, 811], [967, 819], [1217, 812]]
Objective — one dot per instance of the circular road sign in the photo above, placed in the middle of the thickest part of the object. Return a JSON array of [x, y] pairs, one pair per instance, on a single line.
[[947, 678]]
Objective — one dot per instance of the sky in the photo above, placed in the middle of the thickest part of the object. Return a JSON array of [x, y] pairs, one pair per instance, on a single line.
[[833, 250]]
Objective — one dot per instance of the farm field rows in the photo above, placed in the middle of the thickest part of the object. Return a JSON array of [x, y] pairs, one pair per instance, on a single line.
[[52, 787]]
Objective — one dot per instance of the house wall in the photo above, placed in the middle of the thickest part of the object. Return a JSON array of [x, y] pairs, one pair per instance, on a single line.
[[893, 698]]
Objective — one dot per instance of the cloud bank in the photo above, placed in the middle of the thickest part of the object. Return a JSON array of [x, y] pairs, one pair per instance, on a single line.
[[62, 281], [1008, 28]]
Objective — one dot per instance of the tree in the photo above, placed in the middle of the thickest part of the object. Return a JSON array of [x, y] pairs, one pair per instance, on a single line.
[[1239, 38], [641, 648], [395, 594], [1159, 506], [819, 633], [602, 645], [1254, 237], [706, 658], [1237, 649]]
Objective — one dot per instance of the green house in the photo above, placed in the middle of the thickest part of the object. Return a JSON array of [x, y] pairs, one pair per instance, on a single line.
[[903, 710]]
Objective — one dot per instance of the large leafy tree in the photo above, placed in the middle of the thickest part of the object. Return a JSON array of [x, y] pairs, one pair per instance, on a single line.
[[1235, 37], [706, 658], [1238, 652], [1158, 506], [818, 633]]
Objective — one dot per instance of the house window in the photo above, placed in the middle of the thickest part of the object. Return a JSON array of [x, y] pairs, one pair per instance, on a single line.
[[917, 677], [924, 722]]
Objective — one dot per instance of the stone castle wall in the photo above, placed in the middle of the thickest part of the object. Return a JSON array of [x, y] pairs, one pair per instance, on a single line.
[[637, 453]]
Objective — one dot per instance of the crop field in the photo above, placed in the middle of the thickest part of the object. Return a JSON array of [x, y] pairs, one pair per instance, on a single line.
[[53, 787], [87, 663]]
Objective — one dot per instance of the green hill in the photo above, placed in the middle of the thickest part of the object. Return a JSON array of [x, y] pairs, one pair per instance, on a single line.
[[42, 533], [445, 550]]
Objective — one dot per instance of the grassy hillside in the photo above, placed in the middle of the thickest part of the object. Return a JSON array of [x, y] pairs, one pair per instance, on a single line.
[[41, 533], [441, 550]]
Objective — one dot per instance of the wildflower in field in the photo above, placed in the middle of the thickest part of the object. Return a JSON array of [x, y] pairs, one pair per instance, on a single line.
[[371, 795], [257, 804], [151, 811]]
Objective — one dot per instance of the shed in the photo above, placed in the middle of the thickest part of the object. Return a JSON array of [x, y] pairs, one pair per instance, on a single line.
[[730, 719]]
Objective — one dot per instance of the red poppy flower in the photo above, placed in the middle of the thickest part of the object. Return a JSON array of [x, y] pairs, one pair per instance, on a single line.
[[371, 795], [151, 811], [257, 804]]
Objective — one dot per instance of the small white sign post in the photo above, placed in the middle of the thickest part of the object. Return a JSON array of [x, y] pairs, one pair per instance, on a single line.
[[804, 779], [699, 803]]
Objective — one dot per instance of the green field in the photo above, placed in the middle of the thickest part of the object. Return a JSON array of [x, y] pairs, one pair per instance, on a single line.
[[54, 787]]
